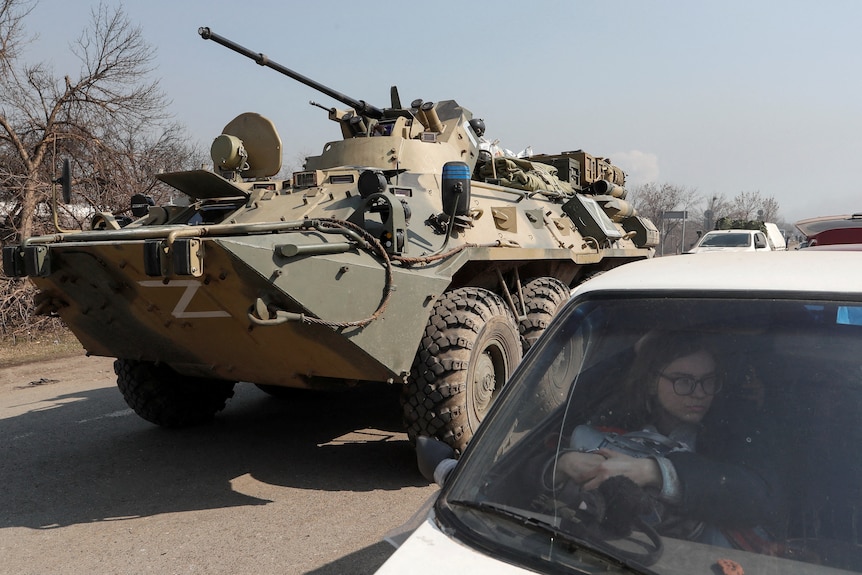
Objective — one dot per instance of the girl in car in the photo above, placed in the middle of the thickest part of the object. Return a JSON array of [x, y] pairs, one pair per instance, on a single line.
[[709, 471]]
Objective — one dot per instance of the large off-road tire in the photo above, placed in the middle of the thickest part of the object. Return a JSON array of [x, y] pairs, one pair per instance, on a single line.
[[470, 348], [542, 298], [162, 396]]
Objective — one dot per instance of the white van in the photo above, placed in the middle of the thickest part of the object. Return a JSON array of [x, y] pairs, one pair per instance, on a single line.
[[732, 241]]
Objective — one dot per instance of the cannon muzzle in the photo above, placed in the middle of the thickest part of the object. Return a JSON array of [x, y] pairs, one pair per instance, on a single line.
[[361, 106]]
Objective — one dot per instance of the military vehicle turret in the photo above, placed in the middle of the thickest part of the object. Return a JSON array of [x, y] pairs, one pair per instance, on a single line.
[[405, 253]]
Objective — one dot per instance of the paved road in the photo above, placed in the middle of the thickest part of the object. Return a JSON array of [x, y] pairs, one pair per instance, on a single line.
[[310, 486]]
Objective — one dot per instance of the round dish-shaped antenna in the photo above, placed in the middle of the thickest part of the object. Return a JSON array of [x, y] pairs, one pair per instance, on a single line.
[[261, 142]]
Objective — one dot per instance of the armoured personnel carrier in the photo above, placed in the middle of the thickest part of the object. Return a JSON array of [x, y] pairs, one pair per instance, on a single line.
[[404, 253]]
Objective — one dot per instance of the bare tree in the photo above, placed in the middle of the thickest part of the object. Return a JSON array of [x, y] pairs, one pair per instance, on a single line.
[[107, 119], [12, 13], [136, 155], [655, 201], [753, 206], [769, 207]]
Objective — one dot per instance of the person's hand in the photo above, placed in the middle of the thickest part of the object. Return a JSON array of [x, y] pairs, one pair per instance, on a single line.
[[579, 466], [591, 469]]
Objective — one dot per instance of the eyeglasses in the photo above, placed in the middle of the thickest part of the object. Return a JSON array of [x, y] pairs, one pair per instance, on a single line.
[[685, 384]]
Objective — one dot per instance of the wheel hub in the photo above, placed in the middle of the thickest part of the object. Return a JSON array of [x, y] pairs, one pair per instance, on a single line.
[[485, 382]]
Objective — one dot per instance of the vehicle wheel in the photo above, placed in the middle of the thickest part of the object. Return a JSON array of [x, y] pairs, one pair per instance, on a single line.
[[470, 348], [542, 298], [162, 396]]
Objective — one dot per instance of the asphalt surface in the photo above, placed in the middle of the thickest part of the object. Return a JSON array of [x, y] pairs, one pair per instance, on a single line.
[[311, 485]]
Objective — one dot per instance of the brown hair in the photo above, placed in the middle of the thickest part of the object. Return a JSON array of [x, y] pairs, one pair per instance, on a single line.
[[653, 352]]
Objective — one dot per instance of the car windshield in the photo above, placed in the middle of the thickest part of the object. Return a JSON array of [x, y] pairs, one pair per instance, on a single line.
[[726, 241], [673, 434]]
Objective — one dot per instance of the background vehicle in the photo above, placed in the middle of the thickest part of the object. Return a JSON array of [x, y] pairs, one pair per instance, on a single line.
[[732, 241], [787, 415], [401, 254], [831, 230]]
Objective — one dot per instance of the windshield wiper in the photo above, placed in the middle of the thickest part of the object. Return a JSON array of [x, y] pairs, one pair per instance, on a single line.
[[595, 548]]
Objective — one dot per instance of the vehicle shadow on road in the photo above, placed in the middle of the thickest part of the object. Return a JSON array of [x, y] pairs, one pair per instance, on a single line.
[[363, 562], [335, 441], [85, 457]]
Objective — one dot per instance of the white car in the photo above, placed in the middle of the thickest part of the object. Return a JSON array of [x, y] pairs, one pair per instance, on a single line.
[[678, 416], [732, 241]]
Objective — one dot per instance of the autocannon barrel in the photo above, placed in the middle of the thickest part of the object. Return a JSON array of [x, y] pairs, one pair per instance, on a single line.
[[361, 107]]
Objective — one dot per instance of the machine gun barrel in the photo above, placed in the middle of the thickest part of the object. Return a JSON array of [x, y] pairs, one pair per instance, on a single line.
[[362, 108]]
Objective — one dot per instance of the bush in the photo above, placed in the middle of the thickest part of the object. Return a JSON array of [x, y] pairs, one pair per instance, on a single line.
[[17, 318]]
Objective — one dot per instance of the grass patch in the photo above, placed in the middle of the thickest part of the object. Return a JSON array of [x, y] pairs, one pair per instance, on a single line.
[[48, 346]]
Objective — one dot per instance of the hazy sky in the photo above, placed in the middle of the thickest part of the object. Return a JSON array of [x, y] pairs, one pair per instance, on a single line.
[[725, 96]]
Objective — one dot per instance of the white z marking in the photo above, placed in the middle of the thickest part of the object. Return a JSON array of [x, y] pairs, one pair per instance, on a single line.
[[192, 287]]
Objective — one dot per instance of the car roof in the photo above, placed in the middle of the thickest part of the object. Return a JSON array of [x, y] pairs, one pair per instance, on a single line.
[[802, 271]]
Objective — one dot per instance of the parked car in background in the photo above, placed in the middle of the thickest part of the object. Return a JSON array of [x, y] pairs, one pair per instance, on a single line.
[[732, 241], [754, 364], [831, 230]]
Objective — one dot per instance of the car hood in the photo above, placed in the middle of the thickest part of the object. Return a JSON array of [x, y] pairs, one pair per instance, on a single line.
[[429, 552]]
